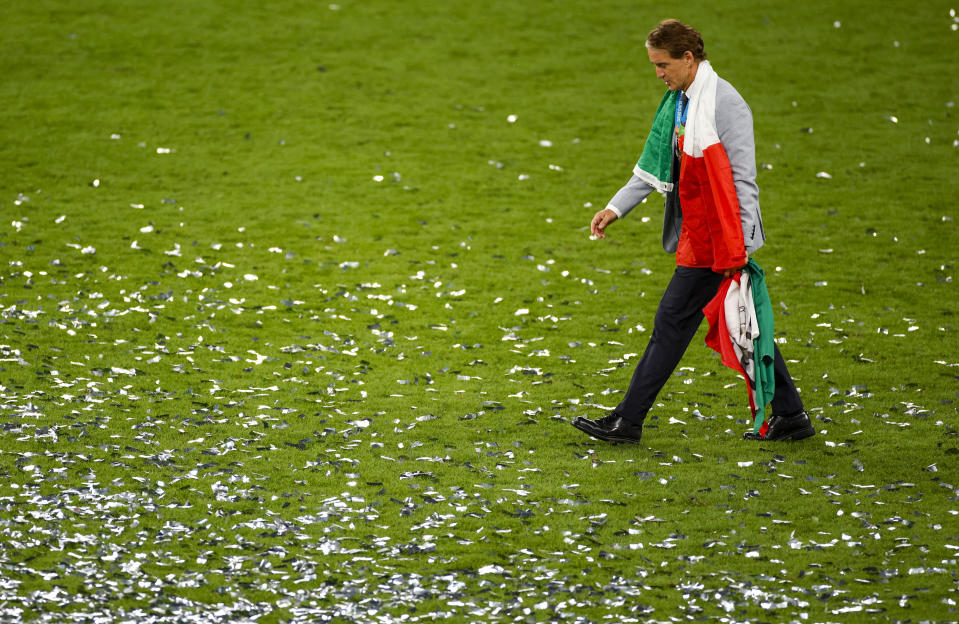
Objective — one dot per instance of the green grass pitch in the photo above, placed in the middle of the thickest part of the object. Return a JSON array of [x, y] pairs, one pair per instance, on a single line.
[[297, 301]]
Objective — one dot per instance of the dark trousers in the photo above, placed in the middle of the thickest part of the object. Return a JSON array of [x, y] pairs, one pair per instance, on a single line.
[[678, 317]]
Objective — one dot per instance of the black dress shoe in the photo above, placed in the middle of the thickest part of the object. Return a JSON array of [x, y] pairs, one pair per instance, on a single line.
[[792, 427], [612, 428]]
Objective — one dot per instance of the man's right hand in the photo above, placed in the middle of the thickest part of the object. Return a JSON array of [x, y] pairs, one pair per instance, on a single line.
[[600, 221]]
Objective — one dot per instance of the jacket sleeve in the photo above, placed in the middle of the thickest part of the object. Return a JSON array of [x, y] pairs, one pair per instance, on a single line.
[[630, 196], [734, 124]]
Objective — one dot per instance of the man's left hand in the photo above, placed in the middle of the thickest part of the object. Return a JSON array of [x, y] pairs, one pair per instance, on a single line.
[[731, 272]]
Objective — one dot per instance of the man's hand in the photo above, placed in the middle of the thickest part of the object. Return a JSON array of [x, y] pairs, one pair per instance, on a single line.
[[731, 272], [600, 221]]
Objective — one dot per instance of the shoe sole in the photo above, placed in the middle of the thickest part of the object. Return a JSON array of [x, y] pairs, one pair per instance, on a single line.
[[581, 424], [802, 434], [799, 434]]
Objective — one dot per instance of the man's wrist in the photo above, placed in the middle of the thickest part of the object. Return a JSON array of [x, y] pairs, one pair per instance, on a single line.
[[616, 211]]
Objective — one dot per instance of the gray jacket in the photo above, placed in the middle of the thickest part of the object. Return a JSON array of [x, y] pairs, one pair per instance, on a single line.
[[734, 124]]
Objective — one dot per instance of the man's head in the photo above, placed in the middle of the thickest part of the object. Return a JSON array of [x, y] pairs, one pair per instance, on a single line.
[[676, 49]]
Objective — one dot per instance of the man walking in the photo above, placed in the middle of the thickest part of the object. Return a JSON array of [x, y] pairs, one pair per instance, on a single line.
[[701, 153]]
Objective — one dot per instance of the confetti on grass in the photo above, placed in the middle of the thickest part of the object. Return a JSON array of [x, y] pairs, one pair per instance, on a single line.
[[267, 426], [287, 484]]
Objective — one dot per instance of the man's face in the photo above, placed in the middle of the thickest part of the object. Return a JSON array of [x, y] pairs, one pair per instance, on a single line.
[[676, 73]]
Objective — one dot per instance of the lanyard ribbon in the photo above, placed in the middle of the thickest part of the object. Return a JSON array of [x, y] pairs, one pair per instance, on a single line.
[[682, 107]]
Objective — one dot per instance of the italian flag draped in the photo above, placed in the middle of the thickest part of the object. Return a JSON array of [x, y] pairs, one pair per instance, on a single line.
[[655, 163], [712, 227], [741, 329]]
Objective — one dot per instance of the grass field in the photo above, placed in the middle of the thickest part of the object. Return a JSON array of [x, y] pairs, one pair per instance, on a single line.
[[297, 301]]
